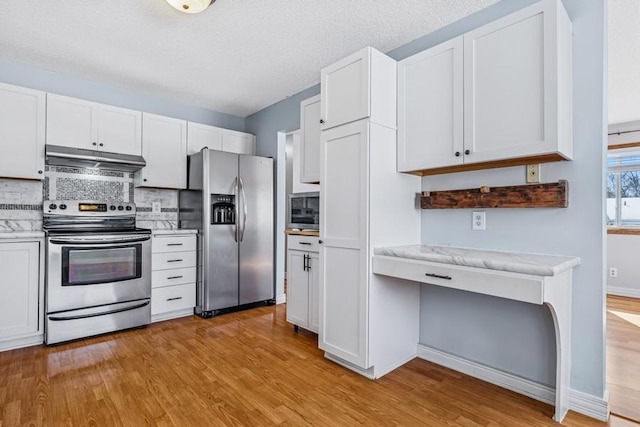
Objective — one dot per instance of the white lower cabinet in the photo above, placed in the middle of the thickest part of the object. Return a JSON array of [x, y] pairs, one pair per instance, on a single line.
[[302, 282], [21, 293], [173, 276]]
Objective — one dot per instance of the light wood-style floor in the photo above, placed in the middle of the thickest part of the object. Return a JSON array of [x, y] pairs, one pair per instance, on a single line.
[[248, 368], [623, 356]]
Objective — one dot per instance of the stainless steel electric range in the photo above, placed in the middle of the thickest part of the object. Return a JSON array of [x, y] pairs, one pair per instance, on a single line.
[[98, 269]]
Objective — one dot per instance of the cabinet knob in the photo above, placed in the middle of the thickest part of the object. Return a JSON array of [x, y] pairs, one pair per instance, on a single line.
[[321, 121], [94, 143], [467, 152], [457, 154], [320, 241], [40, 172], [144, 179], [101, 144]]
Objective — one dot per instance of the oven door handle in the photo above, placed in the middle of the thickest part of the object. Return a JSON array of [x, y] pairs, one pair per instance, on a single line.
[[97, 241], [100, 313]]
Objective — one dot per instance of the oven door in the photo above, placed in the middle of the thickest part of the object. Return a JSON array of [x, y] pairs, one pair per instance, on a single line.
[[94, 270]]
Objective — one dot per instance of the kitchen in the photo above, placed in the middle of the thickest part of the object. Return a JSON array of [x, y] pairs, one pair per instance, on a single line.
[[504, 230]]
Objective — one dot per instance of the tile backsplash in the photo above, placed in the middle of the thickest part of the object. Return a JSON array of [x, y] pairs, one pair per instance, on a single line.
[[21, 200]]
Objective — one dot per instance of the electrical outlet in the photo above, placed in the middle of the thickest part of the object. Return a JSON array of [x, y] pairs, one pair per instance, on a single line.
[[533, 174], [156, 207], [613, 272], [479, 220]]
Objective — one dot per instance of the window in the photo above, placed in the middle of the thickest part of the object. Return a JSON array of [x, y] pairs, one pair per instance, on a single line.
[[623, 188]]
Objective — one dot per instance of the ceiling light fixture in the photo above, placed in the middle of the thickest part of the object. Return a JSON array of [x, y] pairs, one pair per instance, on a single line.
[[190, 6]]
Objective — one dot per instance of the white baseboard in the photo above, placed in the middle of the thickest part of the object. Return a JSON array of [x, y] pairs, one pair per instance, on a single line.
[[27, 341], [623, 292], [590, 405], [172, 315], [281, 299], [583, 403]]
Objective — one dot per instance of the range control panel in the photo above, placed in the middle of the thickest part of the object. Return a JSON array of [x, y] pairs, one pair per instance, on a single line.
[[88, 208]]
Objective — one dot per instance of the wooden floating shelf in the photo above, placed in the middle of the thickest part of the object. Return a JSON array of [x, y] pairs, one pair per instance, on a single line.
[[551, 195]]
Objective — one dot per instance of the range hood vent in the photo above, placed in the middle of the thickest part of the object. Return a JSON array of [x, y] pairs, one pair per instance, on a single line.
[[57, 155]]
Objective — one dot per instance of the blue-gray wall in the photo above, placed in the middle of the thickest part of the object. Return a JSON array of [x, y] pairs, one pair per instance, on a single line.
[[511, 336], [48, 81]]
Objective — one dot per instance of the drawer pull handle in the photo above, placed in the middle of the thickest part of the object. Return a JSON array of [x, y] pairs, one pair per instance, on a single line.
[[174, 298], [305, 243], [174, 244], [438, 276], [174, 260], [174, 277]]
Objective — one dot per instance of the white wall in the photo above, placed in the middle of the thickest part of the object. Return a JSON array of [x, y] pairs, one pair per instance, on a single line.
[[623, 253]]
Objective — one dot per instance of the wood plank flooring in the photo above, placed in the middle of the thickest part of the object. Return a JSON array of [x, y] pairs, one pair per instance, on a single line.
[[623, 356], [248, 368]]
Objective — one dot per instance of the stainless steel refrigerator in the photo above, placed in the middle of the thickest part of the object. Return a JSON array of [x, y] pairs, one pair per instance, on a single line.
[[229, 201]]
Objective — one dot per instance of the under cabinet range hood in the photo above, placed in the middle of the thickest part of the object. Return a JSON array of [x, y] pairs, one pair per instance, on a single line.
[[57, 155]]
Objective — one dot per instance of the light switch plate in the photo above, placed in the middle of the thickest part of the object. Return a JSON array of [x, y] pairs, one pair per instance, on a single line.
[[533, 174], [156, 207]]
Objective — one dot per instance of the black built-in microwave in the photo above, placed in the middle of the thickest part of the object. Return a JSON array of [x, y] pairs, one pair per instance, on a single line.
[[304, 211]]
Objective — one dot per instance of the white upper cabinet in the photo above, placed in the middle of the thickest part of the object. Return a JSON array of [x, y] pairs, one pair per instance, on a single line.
[[518, 82], [22, 132], [238, 142], [517, 95], [200, 136], [310, 143], [356, 87], [430, 108], [164, 148], [215, 138], [78, 123]]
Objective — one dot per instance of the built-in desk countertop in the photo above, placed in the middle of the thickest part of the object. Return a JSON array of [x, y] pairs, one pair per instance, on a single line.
[[530, 278]]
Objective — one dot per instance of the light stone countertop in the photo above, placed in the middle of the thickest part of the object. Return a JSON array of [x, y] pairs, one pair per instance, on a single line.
[[174, 231], [22, 235], [516, 262]]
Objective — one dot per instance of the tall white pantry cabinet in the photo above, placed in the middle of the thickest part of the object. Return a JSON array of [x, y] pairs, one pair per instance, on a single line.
[[368, 323]]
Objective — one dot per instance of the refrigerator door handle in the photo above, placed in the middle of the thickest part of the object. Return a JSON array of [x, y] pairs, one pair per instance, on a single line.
[[244, 208], [236, 195]]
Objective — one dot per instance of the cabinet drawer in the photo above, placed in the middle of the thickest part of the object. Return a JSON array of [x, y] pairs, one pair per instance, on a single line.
[[172, 298], [173, 244], [174, 276], [303, 243], [515, 286], [173, 260]]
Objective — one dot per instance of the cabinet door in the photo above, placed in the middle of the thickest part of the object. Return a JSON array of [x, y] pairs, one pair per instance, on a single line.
[[70, 122], [297, 186], [19, 287], [200, 136], [310, 143], [297, 289], [164, 147], [22, 132], [314, 292], [430, 108], [344, 88], [511, 98], [238, 142], [343, 255], [118, 130]]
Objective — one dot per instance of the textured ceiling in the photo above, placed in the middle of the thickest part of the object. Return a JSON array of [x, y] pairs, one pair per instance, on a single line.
[[237, 57], [624, 60]]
